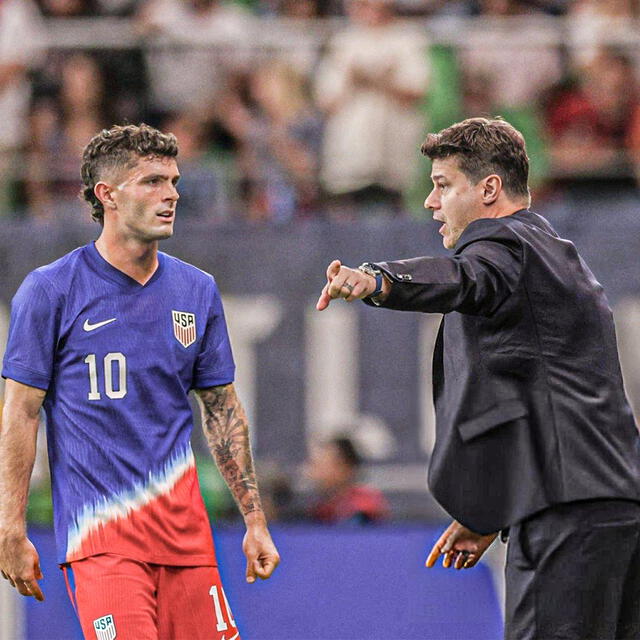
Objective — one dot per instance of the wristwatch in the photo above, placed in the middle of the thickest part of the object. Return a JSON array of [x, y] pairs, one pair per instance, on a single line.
[[372, 270]]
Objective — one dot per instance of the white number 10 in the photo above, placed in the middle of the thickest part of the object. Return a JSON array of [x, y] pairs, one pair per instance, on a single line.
[[109, 359], [222, 625]]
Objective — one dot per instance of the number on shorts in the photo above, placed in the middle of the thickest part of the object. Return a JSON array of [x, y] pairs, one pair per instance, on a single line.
[[221, 624]]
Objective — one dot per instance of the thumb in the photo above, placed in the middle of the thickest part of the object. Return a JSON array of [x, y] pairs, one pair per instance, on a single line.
[[38, 570], [259, 570]]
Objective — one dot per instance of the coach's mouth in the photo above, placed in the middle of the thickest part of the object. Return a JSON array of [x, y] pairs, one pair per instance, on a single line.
[[169, 213]]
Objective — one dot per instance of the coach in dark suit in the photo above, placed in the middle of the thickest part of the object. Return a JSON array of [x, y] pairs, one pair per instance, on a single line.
[[533, 431]]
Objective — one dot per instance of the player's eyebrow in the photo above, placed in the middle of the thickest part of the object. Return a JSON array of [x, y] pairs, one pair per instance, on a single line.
[[437, 176], [161, 176]]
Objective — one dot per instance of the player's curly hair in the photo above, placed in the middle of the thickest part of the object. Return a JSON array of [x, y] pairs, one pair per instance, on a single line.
[[121, 146], [484, 146]]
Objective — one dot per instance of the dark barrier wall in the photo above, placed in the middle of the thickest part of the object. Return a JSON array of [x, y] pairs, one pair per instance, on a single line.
[[332, 584], [302, 372]]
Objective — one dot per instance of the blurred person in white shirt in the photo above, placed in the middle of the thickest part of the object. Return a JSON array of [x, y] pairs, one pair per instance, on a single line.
[[370, 85], [511, 52], [197, 42]]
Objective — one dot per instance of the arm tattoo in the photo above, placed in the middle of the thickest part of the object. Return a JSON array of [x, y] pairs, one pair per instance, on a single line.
[[225, 426]]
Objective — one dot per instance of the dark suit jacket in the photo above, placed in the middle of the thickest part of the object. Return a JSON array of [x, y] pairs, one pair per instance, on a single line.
[[530, 407]]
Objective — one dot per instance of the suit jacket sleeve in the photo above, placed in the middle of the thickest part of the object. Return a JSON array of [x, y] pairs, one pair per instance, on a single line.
[[483, 272]]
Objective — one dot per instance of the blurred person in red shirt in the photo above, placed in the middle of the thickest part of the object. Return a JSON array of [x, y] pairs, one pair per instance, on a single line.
[[593, 124], [333, 468]]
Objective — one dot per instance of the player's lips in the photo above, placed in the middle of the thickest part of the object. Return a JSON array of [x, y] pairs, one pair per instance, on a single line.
[[166, 214]]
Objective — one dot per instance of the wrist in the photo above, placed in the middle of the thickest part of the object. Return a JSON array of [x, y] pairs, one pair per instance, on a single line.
[[372, 270], [13, 533], [255, 519]]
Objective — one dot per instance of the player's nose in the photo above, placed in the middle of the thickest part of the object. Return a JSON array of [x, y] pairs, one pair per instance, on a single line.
[[172, 193]]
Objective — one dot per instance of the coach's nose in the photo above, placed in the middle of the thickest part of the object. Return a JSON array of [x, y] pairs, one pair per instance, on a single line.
[[432, 201]]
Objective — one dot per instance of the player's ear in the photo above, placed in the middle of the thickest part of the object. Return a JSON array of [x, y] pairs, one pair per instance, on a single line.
[[104, 193], [491, 188]]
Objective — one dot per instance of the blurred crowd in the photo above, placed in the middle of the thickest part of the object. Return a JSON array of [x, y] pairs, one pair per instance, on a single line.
[[302, 109]]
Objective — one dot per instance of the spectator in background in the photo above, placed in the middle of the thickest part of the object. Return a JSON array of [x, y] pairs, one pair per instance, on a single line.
[[594, 23], [291, 8], [333, 468], [278, 135], [62, 124], [20, 44], [203, 179], [197, 43], [369, 86], [68, 8], [302, 8], [122, 69], [510, 63], [594, 123]]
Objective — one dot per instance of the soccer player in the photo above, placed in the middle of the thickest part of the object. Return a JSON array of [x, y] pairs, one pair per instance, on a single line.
[[533, 430], [111, 338]]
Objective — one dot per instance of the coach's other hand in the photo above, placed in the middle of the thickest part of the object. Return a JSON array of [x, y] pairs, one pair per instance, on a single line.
[[460, 547], [20, 565], [345, 282]]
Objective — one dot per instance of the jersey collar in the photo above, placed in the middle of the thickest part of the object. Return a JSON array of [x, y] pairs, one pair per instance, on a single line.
[[109, 272]]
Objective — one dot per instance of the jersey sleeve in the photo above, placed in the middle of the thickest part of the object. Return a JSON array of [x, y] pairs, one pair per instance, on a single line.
[[214, 365], [33, 333]]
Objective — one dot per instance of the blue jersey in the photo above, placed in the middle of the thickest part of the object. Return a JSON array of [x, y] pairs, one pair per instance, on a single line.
[[117, 360]]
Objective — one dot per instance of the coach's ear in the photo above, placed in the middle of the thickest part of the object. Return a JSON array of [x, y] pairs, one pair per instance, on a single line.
[[491, 188], [104, 193]]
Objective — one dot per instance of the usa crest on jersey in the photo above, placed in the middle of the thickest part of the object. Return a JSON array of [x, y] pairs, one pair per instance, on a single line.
[[184, 327], [105, 628]]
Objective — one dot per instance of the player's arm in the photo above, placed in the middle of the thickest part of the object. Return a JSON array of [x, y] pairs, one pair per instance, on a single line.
[[227, 431], [19, 560]]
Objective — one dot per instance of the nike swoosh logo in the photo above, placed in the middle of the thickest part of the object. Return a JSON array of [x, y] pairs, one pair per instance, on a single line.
[[87, 326]]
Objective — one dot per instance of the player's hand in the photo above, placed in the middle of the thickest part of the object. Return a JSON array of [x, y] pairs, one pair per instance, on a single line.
[[347, 283], [459, 547], [262, 555], [20, 565]]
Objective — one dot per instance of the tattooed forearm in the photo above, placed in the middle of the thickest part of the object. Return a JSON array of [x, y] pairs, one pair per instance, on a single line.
[[227, 431]]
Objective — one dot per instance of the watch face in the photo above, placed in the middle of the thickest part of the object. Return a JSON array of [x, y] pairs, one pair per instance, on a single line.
[[369, 268]]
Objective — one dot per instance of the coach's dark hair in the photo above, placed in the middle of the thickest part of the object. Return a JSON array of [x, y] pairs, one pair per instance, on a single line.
[[484, 146], [121, 146]]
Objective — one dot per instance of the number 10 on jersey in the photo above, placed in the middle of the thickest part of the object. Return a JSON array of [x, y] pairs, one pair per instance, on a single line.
[[113, 388]]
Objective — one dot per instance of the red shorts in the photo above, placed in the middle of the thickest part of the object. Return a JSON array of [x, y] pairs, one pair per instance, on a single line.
[[117, 597]]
